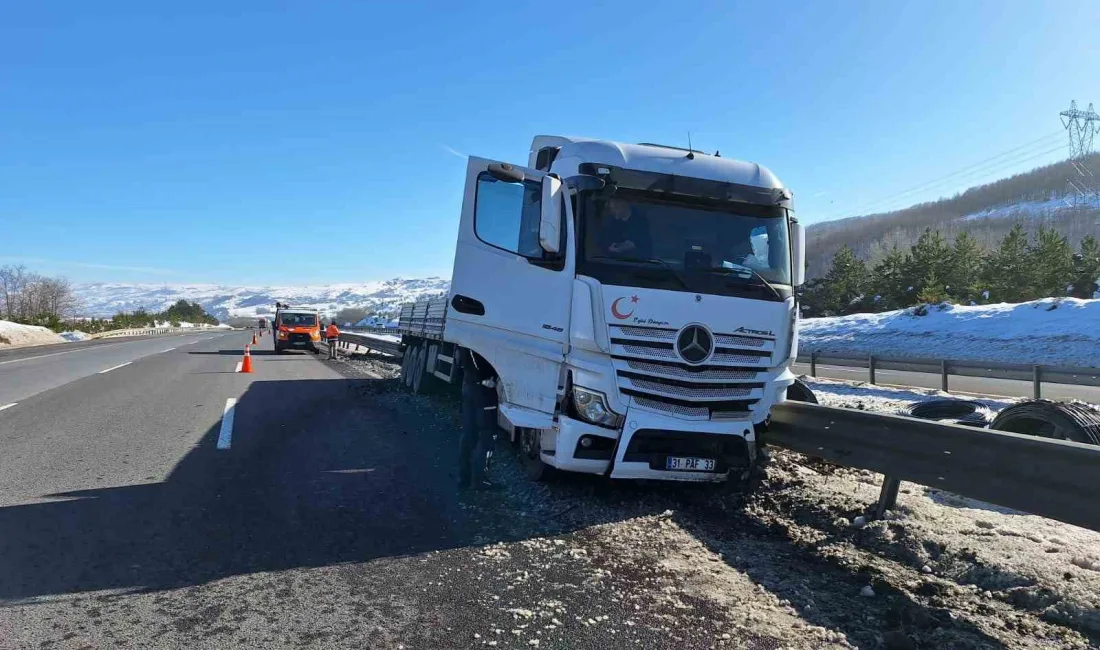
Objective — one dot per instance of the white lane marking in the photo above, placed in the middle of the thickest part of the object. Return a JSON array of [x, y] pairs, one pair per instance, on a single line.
[[225, 436], [239, 364], [121, 365], [8, 406], [57, 354], [168, 350]]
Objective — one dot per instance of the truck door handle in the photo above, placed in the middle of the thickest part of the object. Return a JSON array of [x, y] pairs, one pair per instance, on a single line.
[[467, 305]]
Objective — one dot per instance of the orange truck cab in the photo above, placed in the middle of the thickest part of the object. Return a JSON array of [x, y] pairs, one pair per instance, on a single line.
[[296, 328]]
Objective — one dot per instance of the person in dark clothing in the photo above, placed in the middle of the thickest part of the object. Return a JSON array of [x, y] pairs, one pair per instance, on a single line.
[[623, 234], [479, 418]]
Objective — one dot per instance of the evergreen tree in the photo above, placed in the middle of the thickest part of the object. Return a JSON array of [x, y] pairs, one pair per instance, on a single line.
[[1086, 268], [889, 282], [1007, 270], [846, 283], [932, 289], [965, 268], [930, 254], [1051, 263]]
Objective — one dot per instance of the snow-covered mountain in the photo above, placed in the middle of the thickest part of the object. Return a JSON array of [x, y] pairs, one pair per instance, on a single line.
[[223, 301]]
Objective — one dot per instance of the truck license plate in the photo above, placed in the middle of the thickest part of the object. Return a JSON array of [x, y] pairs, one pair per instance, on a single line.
[[689, 464]]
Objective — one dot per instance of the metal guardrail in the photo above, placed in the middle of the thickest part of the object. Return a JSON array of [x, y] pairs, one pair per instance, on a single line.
[[1046, 477], [144, 331], [1035, 373], [372, 343]]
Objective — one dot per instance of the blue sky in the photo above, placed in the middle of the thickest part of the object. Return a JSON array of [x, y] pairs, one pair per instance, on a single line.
[[208, 141]]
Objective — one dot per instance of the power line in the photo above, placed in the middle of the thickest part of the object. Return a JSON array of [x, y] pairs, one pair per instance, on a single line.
[[982, 165]]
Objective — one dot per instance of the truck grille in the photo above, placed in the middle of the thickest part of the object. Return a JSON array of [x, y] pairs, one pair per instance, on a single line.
[[726, 385]]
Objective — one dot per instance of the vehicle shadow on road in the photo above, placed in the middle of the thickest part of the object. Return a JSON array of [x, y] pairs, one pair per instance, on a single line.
[[319, 472]]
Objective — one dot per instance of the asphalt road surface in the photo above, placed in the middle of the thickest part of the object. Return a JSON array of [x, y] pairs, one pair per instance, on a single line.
[[174, 503], [962, 385]]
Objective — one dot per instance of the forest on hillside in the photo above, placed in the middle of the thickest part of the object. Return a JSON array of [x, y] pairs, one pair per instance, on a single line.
[[1019, 268], [872, 237]]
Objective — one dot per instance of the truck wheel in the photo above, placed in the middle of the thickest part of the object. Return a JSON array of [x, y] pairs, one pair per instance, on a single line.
[[410, 354], [421, 361], [530, 451], [278, 349]]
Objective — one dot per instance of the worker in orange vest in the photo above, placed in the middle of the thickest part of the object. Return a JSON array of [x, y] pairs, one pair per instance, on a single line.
[[332, 333]]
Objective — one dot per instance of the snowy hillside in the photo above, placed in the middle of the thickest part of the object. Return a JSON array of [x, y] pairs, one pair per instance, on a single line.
[[223, 301], [1052, 331]]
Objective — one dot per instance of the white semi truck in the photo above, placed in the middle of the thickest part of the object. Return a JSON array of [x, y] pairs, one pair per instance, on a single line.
[[637, 304]]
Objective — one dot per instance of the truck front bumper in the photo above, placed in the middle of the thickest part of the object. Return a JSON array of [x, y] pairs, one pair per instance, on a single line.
[[648, 440]]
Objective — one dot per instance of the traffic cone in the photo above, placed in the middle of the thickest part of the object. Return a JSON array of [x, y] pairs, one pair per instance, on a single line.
[[246, 365], [254, 338]]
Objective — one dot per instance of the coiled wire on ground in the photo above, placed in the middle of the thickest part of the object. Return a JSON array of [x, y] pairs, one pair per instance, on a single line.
[[1074, 421], [956, 411]]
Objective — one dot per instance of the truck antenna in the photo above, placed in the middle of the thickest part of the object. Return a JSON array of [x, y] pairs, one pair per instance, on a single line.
[[691, 154]]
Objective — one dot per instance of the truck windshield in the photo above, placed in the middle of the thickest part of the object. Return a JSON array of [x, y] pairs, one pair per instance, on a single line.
[[730, 249], [298, 320]]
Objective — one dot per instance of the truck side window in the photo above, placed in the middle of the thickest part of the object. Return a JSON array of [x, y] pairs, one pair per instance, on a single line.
[[507, 215]]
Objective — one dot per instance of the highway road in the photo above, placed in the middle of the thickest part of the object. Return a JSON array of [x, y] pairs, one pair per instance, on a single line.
[[961, 385], [171, 502]]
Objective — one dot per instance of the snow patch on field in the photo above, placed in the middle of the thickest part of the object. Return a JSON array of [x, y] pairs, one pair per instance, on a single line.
[[1031, 209], [1052, 331], [16, 335], [881, 399], [75, 336]]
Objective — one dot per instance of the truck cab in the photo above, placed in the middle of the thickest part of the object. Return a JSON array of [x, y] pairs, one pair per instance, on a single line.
[[637, 302]]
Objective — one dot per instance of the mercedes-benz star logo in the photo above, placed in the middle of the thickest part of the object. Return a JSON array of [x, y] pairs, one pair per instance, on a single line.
[[694, 343]]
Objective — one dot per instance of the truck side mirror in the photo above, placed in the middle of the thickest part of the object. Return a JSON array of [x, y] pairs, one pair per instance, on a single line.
[[550, 224], [798, 254]]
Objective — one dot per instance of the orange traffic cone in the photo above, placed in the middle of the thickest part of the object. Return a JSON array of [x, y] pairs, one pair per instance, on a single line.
[[246, 365], [254, 338]]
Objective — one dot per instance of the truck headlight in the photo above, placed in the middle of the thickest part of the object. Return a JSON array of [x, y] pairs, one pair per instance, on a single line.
[[591, 406], [793, 333]]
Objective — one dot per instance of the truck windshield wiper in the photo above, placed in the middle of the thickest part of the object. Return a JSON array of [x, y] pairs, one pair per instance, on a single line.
[[646, 260], [746, 272]]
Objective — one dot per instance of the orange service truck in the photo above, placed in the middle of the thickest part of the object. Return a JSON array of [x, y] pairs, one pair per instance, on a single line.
[[296, 328]]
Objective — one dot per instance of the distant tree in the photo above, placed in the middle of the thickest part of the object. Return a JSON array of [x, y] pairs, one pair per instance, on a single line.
[[846, 283], [1051, 263], [1086, 268], [929, 256], [889, 282], [352, 314], [1008, 272], [964, 270], [932, 288]]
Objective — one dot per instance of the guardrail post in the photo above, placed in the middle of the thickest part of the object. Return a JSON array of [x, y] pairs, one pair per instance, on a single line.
[[943, 375], [1037, 381], [888, 496], [871, 369], [813, 363]]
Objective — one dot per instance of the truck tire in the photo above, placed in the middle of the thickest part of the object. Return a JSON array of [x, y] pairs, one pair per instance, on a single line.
[[949, 409], [421, 361], [278, 348], [800, 392], [1059, 420], [530, 452], [405, 355], [410, 354]]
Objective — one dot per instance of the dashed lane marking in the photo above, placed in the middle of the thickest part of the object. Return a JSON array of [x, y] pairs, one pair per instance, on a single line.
[[168, 350], [121, 365], [225, 436], [8, 406]]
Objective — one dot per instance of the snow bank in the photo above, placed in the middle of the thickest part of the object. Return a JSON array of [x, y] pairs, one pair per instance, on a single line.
[[75, 336], [881, 399], [1052, 331], [15, 335]]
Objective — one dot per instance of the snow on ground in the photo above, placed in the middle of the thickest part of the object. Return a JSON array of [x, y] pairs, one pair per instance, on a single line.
[[1052, 331], [865, 397], [1031, 209], [15, 335], [75, 336]]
